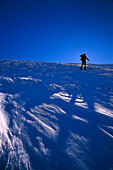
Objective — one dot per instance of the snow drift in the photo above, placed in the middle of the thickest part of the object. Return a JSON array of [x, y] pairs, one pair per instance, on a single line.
[[54, 116]]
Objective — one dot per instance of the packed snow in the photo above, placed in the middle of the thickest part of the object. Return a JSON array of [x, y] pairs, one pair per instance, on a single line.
[[53, 116]]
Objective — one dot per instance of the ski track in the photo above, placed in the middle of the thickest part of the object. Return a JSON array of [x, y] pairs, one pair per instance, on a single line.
[[53, 116]]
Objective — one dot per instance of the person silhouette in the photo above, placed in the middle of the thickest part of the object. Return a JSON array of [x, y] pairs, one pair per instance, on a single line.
[[83, 59]]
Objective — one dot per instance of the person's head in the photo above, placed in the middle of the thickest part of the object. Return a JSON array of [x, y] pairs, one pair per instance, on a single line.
[[84, 53]]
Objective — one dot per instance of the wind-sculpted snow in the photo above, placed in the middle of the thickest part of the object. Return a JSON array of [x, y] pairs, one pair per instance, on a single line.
[[54, 116], [12, 153]]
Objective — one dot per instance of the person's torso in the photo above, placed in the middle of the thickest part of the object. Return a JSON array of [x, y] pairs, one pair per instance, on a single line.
[[83, 57]]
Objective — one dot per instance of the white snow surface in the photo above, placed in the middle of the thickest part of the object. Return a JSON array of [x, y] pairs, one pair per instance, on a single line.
[[55, 117]]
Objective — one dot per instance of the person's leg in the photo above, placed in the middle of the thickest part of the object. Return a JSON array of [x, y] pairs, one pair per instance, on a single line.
[[84, 65], [81, 66]]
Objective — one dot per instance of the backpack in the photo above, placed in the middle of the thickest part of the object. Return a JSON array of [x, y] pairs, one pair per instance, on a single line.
[[82, 57]]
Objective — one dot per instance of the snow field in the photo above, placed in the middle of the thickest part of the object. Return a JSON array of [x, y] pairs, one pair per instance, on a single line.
[[53, 116]]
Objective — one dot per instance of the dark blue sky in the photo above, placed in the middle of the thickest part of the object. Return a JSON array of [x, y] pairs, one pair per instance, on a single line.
[[56, 30]]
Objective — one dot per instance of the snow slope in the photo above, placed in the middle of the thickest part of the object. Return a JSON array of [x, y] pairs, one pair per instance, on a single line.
[[54, 116]]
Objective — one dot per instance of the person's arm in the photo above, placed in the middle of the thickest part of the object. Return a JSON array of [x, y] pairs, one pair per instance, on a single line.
[[87, 58]]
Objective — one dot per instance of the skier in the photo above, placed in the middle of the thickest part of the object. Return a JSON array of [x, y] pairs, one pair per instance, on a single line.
[[83, 59]]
